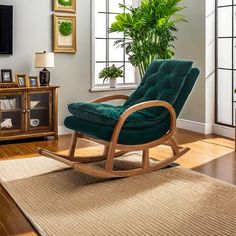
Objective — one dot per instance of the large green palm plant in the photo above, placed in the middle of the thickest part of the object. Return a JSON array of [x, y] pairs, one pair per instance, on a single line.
[[149, 29]]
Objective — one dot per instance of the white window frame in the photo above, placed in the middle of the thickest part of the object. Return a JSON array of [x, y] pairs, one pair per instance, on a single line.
[[103, 87]]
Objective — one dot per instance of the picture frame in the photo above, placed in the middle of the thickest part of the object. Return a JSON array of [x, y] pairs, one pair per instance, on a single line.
[[33, 81], [64, 5], [64, 34], [6, 76], [21, 79]]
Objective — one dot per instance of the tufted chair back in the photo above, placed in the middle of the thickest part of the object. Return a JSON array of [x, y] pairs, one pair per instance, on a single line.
[[163, 80]]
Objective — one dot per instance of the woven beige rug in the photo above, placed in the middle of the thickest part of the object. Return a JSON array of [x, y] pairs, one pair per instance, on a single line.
[[175, 201]]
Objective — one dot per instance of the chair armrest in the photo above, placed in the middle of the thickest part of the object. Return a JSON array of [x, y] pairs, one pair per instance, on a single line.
[[110, 98], [141, 106]]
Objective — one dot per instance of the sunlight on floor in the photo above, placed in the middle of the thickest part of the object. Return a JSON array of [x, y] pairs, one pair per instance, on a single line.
[[215, 148], [201, 151]]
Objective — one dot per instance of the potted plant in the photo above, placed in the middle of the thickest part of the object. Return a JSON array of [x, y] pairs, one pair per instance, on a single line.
[[148, 31], [111, 73]]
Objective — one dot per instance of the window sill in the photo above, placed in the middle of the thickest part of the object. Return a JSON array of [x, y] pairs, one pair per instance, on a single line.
[[118, 88]]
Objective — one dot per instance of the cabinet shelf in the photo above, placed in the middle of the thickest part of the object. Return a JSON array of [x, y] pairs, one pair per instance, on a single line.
[[15, 129], [39, 108], [10, 110]]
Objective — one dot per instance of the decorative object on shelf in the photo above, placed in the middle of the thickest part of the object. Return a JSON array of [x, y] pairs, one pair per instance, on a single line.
[[44, 60], [21, 80], [7, 124], [33, 81], [34, 122], [6, 76], [111, 73], [64, 34], [7, 104], [64, 5], [34, 104]]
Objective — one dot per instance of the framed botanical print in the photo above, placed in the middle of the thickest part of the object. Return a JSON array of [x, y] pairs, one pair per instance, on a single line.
[[64, 34], [64, 5]]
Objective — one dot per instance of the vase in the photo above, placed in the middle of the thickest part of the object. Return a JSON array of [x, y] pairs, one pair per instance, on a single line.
[[112, 83]]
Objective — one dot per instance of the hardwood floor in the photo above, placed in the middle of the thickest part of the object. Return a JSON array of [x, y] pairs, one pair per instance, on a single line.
[[211, 155]]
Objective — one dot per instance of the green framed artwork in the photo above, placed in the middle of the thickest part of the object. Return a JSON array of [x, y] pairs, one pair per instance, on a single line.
[[64, 34], [64, 5]]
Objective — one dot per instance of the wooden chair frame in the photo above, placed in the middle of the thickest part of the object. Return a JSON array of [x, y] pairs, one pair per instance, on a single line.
[[82, 163]]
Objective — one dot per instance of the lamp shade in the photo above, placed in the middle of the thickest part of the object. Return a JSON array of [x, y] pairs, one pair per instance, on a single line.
[[44, 59]]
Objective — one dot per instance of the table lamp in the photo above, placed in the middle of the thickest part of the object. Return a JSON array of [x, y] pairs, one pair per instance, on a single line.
[[44, 60]]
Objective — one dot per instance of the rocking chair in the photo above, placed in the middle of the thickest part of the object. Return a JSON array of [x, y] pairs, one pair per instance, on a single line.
[[147, 119]]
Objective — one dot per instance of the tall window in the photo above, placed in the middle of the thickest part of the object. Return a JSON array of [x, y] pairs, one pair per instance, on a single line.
[[104, 53], [225, 62]]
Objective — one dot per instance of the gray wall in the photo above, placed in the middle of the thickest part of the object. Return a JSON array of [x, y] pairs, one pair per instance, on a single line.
[[191, 45], [32, 33]]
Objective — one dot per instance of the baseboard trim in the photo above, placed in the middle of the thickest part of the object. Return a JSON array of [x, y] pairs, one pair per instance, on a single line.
[[224, 131], [194, 126]]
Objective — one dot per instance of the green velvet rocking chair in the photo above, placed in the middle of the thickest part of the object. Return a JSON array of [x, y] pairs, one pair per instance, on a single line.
[[147, 119]]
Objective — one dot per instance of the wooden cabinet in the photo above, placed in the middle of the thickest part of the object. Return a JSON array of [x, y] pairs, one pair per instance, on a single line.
[[28, 112]]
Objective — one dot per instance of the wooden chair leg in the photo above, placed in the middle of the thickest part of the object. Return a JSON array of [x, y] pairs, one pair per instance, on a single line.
[[145, 159], [173, 146], [110, 158], [105, 151], [73, 144]]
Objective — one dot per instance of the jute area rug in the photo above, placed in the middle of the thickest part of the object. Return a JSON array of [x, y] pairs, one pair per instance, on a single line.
[[173, 201]]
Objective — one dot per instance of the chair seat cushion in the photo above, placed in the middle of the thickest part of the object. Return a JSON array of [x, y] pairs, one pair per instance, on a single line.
[[107, 114], [128, 136]]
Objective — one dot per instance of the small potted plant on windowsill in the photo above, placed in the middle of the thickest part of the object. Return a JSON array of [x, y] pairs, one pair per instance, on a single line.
[[111, 73]]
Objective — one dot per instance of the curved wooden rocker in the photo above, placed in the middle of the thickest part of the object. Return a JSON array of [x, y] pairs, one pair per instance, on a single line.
[[113, 148]]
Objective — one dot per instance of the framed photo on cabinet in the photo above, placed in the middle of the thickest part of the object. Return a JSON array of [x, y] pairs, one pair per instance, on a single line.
[[21, 80], [64, 5], [64, 34], [33, 81], [6, 76]]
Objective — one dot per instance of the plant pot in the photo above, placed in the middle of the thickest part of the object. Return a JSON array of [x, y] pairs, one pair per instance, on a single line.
[[112, 83]]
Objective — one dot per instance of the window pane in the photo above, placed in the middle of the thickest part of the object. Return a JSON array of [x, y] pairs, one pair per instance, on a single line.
[[98, 68], [234, 87], [224, 87], [224, 2], [129, 2], [114, 6], [225, 53], [100, 25], [234, 20], [115, 53], [99, 5], [224, 21], [234, 49], [129, 73], [100, 50]]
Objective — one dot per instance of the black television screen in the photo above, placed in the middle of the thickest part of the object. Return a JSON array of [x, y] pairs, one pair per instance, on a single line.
[[6, 29]]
